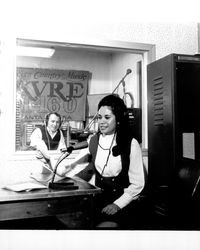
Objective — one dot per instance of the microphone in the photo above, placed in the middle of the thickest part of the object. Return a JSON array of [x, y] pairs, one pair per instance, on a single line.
[[77, 146], [128, 71], [66, 153]]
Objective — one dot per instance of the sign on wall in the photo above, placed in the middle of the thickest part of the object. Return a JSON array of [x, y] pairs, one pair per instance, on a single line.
[[40, 91]]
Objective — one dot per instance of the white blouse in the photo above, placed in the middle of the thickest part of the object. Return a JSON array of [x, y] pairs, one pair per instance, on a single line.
[[114, 166]]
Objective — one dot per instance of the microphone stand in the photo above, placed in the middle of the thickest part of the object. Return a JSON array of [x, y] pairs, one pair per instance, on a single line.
[[124, 92], [67, 183], [120, 82]]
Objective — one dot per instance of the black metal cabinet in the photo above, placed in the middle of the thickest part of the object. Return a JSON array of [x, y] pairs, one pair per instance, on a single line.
[[174, 139]]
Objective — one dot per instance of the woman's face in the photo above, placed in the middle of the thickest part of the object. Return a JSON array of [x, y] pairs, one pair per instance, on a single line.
[[106, 120]]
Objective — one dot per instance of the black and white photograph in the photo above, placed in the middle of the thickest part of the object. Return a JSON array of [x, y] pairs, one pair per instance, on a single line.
[[99, 125]]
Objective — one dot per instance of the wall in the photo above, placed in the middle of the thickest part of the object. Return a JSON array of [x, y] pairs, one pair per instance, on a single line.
[[99, 64], [107, 68], [168, 37], [121, 62]]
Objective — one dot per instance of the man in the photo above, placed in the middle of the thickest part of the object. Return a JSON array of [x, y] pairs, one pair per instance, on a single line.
[[48, 137]]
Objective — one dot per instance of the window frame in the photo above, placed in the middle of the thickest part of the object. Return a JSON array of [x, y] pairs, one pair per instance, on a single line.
[[146, 50]]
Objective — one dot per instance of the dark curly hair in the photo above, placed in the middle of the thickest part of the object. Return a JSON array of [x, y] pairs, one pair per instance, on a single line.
[[120, 111]]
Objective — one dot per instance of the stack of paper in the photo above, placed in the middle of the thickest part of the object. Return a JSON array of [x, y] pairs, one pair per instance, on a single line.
[[26, 186]]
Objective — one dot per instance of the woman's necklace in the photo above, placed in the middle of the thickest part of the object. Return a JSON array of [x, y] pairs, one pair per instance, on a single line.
[[108, 153]]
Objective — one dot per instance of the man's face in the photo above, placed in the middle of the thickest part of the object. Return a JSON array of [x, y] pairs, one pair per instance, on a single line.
[[53, 123]]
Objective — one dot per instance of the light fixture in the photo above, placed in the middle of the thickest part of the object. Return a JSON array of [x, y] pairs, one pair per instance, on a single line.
[[34, 51]]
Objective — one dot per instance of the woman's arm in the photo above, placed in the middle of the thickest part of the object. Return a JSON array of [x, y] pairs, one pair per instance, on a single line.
[[82, 157], [136, 176]]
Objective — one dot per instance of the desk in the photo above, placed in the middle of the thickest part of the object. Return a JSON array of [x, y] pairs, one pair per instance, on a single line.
[[75, 206]]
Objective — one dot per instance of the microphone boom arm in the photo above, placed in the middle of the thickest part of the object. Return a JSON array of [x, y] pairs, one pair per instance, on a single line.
[[66, 153], [60, 159], [121, 81], [68, 183]]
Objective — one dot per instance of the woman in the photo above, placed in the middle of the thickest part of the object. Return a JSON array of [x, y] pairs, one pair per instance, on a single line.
[[116, 161]]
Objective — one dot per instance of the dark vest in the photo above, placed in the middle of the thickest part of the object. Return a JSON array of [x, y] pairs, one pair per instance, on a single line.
[[113, 186], [52, 144]]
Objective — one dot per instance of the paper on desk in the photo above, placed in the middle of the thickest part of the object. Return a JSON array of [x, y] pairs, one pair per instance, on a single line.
[[44, 179], [26, 186]]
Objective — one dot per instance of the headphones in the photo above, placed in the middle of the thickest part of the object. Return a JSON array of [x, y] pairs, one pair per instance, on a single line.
[[48, 115]]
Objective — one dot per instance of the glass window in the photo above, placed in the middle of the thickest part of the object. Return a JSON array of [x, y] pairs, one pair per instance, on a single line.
[[63, 76]]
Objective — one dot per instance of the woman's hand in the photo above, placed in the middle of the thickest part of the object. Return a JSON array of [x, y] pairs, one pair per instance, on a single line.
[[110, 209]]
